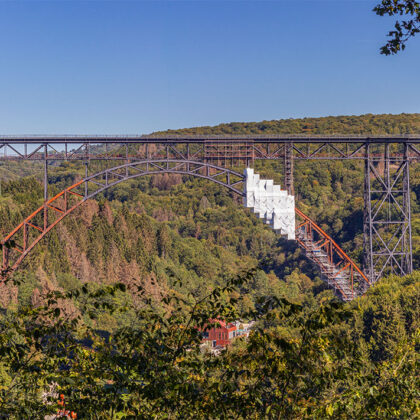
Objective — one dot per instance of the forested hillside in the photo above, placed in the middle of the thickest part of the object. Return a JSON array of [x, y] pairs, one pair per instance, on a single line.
[[168, 242], [354, 125], [157, 231]]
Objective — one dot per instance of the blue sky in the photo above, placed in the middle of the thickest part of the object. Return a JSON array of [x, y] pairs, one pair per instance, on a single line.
[[139, 66]]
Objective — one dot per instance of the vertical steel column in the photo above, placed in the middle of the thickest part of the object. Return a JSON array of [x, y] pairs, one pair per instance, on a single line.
[[408, 244], [86, 175], [387, 215], [45, 186], [288, 167], [86, 168], [45, 173], [250, 153], [126, 160], [367, 220]]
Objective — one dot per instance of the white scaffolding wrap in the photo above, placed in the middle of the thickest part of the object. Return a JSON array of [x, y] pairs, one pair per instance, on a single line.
[[270, 203]]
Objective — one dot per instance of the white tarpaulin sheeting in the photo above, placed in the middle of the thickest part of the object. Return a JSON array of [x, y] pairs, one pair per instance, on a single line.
[[271, 203]]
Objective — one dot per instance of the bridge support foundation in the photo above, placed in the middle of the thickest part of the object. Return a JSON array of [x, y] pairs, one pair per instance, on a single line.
[[387, 214]]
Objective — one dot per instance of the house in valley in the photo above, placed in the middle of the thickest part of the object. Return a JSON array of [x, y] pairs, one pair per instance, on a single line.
[[222, 333]]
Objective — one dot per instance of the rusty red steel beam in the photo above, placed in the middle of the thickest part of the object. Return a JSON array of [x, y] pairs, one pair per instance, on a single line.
[[39, 210], [26, 248], [29, 221], [335, 246], [302, 244]]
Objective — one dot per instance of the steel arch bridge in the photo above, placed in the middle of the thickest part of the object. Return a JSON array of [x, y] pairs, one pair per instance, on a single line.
[[387, 159], [337, 268]]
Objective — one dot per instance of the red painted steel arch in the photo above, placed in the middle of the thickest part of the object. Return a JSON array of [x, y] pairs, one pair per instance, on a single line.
[[338, 269], [332, 260], [33, 228]]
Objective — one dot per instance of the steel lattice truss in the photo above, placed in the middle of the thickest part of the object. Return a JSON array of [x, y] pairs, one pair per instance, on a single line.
[[387, 159], [28, 233], [337, 268], [387, 235], [221, 149]]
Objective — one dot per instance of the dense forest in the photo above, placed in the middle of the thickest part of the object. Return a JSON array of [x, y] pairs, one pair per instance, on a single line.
[[355, 125], [105, 310]]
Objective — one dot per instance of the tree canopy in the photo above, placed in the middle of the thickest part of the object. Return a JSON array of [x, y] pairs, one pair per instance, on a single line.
[[403, 30], [107, 309]]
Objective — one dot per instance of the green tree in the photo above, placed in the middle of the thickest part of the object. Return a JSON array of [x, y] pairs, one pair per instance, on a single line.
[[403, 30]]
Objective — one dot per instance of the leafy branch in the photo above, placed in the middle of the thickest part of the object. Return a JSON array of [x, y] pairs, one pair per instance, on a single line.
[[405, 29]]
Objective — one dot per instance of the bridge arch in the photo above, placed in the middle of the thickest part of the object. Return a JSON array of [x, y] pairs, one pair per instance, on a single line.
[[38, 224], [318, 246]]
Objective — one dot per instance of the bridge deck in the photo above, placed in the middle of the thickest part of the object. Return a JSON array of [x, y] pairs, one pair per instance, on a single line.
[[198, 139]]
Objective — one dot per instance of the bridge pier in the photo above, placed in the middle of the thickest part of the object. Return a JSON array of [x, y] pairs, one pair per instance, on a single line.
[[288, 168], [386, 223], [387, 214], [45, 186]]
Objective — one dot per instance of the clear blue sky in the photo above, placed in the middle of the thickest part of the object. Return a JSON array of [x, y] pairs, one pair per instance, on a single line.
[[139, 66]]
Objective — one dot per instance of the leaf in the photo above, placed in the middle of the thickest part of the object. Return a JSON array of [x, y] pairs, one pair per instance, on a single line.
[[329, 410]]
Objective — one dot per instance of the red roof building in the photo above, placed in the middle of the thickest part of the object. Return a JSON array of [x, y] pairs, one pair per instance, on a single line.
[[221, 335]]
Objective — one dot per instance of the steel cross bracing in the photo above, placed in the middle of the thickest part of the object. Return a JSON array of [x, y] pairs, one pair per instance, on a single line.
[[387, 233], [218, 149], [288, 167], [387, 217], [32, 229], [337, 268]]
